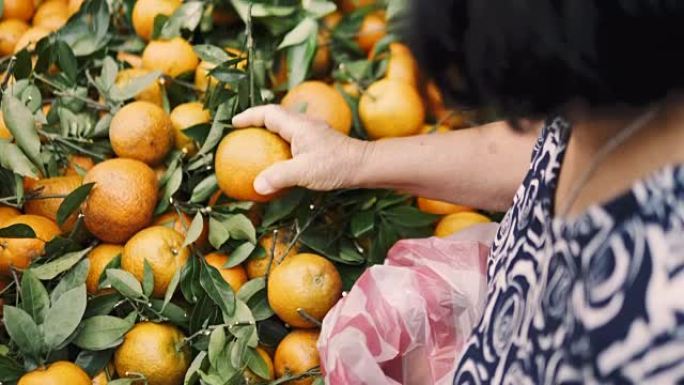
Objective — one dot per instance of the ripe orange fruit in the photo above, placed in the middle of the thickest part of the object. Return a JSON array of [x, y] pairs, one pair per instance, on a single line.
[[390, 108], [304, 281], [181, 224], [172, 57], [105, 375], [402, 65], [257, 267], [251, 378], [4, 131], [18, 9], [19, 252], [242, 155], [122, 200], [58, 373], [78, 165], [133, 60], [297, 353], [51, 15], [144, 12], [152, 94], [158, 351], [453, 223], [437, 207], [185, 116], [164, 251], [320, 101], [351, 5], [202, 78], [29, 38], [434, 129], [11, 31], [57, 186], [435, 105], [99, 257], [372, 29], [235, 276], [141, 131], [7, 213], [74, 6]]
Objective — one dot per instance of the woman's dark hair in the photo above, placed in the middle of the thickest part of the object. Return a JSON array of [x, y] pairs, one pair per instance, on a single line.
[[529, 58]]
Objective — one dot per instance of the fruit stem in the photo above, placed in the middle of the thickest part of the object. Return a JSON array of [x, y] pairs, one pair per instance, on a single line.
[[308, 317], [250, 56]]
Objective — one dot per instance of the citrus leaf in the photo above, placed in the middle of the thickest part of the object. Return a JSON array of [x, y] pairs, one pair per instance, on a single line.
[[108, 74], [20, 122], [174, 313], [75, 277], [216, 131], [197, 364], [148, 279], [72, 202], [217, 288], [253, 293], [23, 331], [241, 323], [195, 230], [10, 370], [217, 341], [238, 353], [187, 16], [299, 59], [189, 281], [171, 289], [257, 364], [409, 216], [170, 188], [66, 60], [304, 30], [64, 316], [102, 304], [240, 227], [281, 208], [55, 267], [93, 362], [218, 234], [204, 189], [240, 254], [14, 160], [133, 87], [34, 297], [211, 53], [102, 332], [87, 31], [362, 223], [125, 283], [19, 230]]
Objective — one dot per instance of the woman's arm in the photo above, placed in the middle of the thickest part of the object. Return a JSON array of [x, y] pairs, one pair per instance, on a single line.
[[479, 167]]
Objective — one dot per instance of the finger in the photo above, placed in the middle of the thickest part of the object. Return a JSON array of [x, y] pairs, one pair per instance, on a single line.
[[280, 176], [273, 117]]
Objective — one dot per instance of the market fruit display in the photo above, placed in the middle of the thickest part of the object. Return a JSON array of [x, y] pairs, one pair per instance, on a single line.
[[133, 246]]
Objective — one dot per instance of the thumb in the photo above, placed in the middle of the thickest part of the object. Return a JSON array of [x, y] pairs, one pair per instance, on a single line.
[[279, 176]]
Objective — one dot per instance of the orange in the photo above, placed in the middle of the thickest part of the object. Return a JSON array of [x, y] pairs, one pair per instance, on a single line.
[[74, 6], [402, 65], [181, 224], [58, 373], [144, 12], [78, 165], [4, 131], [7, 213], [304, 281], [351, 5], [351, 89], [57, 186], [105, 375], [122, 200], [434, 129], [453, 223], [244, 154], [172, 57], [19, 252], [157, 351], [152, 94], [257, 267], [435, 105], [185, 116], [133, 60], [297, 353], [202, 78], [30, 38], [11, 31], [391, 108], [51, 14], [373, 28], [432, 206], [251, 378], [164, 251], [141, 131], [320, 101], [234, 276], [99, 257], [18, 9]]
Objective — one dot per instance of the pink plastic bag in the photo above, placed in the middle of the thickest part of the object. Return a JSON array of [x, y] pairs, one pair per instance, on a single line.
[[405, 322]]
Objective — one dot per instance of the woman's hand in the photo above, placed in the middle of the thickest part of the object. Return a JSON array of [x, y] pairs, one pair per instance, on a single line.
[[322, 158]]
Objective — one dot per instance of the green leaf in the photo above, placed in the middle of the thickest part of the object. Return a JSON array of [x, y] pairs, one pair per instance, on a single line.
[[55, 267], [75, 277], [148, 279], [299, 59], [132, 88], [171, 289], [19, 230], [253, 293], [319, 381], [66, 60], [211, 53], [93, 362], [197, 364], [238, 353], [281, 208], [64, 316], [195, 230], [240, 254], [125, 283], [10, 370], [218, 234], [72, 202], [241, 324], [187, 16], [174, 313], [13, 159], [204, 189], [20, 122], [34, 297], [108, 74], [102, 304], [362, 223], [216, 131], [217, 288], [102, 332], [240, 227], [306, 28], [87, 31], [172, 185], [409, 216], [189, 282], [257, 364], [217, 341], [23, 331]]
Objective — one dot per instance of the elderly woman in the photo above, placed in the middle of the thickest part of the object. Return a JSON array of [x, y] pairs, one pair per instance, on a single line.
[[586, 275]]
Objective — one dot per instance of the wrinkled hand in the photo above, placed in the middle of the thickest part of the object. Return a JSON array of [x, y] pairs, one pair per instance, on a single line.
[[322, 158]]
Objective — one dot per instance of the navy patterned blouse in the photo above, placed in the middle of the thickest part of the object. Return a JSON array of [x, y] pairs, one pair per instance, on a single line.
[[598, 299]]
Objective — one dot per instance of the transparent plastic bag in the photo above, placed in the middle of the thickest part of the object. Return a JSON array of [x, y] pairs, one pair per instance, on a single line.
[[405, 322]]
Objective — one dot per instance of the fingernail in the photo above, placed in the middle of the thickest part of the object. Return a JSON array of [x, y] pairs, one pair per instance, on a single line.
[[236, 119], [261, 186]]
